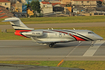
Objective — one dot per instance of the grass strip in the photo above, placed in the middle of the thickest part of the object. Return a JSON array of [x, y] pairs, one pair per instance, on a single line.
[[87, 65], [50, 20]]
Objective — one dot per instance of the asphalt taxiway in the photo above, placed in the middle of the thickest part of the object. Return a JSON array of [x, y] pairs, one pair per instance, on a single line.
[[28, 50]]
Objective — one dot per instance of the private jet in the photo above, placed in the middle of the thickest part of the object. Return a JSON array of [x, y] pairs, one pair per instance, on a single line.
[[51, 36]]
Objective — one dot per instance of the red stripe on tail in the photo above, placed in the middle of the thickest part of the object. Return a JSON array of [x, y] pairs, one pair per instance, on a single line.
[[18, 32]]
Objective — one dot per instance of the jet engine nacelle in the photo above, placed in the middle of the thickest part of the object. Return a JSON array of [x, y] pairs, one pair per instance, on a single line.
[[33, 33]]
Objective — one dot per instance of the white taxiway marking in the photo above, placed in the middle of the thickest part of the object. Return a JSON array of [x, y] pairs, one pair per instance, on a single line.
[[74, 49], [93, 49]]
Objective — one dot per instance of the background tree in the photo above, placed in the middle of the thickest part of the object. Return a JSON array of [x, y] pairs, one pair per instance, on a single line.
[[35, 5], [99, 3]]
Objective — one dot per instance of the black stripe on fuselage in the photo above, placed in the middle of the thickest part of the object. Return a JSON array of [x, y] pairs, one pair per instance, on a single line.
[[80, 35], [20, 29], [70, 34], [75, 35]]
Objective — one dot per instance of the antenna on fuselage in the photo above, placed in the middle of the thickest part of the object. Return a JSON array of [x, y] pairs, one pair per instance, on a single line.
[[73, 28], [51, 28]]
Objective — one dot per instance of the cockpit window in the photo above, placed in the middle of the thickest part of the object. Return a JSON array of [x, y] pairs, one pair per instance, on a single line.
[[90, 32]]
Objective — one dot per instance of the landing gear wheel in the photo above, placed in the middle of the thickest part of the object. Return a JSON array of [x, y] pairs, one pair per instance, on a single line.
[[51, 45]]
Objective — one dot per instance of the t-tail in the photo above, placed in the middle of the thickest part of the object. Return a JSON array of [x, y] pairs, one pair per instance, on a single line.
[[18, 25]]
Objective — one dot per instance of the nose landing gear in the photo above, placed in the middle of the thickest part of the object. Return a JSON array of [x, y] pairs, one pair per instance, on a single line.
[[92, 43]]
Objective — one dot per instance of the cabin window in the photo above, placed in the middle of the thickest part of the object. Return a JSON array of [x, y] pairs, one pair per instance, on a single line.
[[33, 33], [60, 34]]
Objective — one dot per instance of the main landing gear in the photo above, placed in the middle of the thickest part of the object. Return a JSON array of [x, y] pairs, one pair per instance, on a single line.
[[51, 45]]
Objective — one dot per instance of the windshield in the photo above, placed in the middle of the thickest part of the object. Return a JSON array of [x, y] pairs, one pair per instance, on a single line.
[[90, 32]]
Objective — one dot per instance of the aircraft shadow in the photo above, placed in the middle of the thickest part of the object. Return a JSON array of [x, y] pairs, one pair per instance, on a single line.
[[63, 45]]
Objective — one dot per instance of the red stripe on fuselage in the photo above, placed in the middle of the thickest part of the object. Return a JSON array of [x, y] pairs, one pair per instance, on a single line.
[[18, 32], [78, 38], [61, 31]]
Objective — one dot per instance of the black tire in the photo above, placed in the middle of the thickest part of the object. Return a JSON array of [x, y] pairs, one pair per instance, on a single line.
[[51, 45]]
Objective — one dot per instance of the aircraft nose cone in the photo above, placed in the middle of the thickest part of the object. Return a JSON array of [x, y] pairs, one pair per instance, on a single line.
[[97, 37], [100, 38]]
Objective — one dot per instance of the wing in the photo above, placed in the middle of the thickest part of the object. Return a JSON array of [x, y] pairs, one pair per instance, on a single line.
[[49, 42]]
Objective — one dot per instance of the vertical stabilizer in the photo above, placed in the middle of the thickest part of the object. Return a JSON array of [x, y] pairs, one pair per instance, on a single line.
[[17, 24]]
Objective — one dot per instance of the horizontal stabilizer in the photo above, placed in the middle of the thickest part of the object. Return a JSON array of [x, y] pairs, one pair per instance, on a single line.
[[9, 20]]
